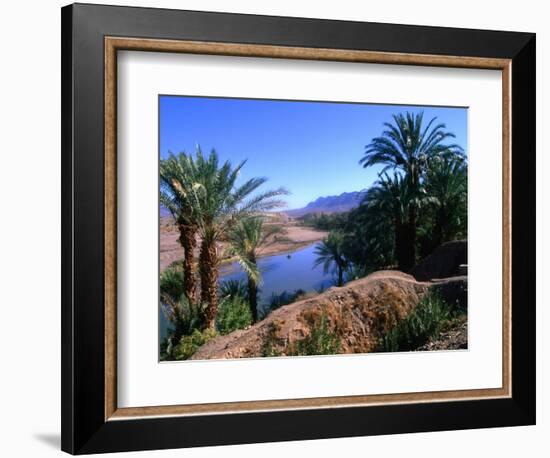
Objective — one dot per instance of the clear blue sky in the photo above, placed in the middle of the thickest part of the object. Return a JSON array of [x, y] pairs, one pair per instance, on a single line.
[[310, 148]]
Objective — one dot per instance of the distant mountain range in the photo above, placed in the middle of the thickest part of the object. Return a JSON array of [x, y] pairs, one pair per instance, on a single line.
[[330, 204]]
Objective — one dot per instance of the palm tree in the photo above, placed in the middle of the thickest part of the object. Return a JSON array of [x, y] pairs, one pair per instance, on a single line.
[[219, 204], [389, 199], [184, 315], [175, 182], [329, 253], [408, 146], [447, 185], [245, 238]]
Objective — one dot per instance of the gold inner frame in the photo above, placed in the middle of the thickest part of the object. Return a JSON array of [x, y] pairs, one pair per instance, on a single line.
[[114, 44]]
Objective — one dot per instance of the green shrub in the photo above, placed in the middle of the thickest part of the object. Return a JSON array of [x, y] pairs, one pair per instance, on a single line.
[[188, 345], [320, 341], [323, 221], [166, 349], [356, 271], [233, 313], [268, 348], [233, 289], [426, 321], [171, 282], [183, 315]]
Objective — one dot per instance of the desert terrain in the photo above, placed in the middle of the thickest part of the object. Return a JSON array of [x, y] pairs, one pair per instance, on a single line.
[[291, 239]]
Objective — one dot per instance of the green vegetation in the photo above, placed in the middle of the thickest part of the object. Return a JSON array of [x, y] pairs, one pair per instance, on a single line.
[[234, 313], [269, 345], [412, 151], [184, 316], [187, 319], [325, 222], [284, 298], [174, 180], [428, 319], [418, 202], [189, 344], [330, 255], [172, 282], [205, 200], [447, 212], [233, 288], [245, 238], [320, 341]]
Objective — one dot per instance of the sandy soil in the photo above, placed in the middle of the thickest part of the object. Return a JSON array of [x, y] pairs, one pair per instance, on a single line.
[[358, 315], [296, 237]]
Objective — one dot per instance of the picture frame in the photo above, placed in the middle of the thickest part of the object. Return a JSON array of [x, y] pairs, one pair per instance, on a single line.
[[92, 35]]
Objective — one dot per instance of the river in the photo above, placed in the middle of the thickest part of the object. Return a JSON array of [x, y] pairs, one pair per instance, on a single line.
[[281, 272]]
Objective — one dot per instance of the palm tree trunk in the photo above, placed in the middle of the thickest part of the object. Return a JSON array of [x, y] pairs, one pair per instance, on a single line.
[[400, 244], [178, 332], [340, 276], [208, 260], [253, 299], [253, 291], [438, 237], [410, 257], [188, 242]]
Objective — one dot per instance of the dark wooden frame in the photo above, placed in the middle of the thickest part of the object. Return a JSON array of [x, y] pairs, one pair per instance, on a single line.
[[89, 423]]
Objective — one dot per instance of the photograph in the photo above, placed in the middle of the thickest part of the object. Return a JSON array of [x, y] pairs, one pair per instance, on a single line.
[[304, 228], [280, 227]]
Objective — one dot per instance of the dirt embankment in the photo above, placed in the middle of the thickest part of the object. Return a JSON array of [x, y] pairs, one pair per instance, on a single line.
[[358, 314]]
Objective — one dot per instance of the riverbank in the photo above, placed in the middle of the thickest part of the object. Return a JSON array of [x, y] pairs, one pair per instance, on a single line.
[[295, 238]]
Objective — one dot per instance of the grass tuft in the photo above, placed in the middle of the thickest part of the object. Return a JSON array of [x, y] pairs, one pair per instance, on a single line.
[[320, 341], [428, 319]]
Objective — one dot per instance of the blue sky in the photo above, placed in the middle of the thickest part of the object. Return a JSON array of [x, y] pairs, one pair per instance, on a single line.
[[310, 148]]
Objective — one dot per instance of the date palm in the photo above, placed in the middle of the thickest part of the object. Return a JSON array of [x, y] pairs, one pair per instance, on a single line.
[[389, 200], [246, 237], [447, 185], [331, 256], [219, 203], [175, 183], [407, 145]]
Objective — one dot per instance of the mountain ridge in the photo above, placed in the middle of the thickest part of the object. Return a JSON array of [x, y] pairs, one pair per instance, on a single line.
[[329, 204]]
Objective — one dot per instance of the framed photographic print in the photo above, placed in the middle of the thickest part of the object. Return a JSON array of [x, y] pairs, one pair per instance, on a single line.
[[282, 228]]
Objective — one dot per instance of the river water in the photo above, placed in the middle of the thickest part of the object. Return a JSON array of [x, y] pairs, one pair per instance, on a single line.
[[281, 272]]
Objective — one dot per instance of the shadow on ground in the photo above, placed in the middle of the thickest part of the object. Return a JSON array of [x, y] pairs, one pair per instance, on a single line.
[[51, 439]]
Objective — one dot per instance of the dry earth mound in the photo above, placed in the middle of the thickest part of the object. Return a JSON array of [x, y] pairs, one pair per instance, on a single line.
[[358, 314]]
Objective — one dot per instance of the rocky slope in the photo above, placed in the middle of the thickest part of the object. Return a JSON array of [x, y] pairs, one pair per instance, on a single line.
[[455, 338], [358, 314]]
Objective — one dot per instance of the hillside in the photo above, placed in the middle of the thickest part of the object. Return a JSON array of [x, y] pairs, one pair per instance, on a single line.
[[329, 204], [357, 314]]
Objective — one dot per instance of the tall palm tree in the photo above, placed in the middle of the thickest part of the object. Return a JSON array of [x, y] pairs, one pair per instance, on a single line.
[[330, 254], [175, 182], [447, 185], [219, 204], [409, 146], [245, 238], [389, 199]]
